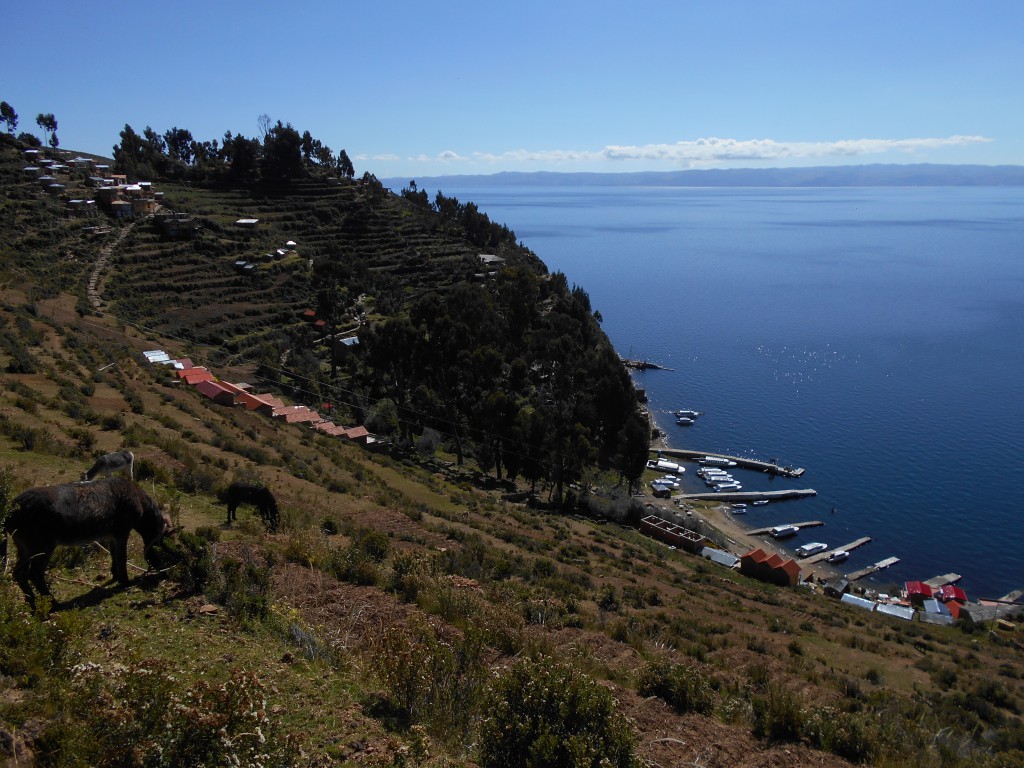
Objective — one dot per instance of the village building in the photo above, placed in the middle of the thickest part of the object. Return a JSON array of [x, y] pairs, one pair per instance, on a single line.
[[771, 568]]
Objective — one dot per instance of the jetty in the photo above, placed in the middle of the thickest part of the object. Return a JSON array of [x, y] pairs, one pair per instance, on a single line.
[[735, 496], [845, 548], [643, 365], [872, 569], [940, 581], [771, 468], [808, 524]]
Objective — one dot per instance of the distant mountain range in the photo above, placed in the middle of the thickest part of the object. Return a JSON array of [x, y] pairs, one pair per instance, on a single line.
[[921, 175]]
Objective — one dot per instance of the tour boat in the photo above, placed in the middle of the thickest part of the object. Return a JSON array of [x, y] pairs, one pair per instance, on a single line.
[[783, 531], [684, 421], [720, 461], [838, 556], [811, 549]]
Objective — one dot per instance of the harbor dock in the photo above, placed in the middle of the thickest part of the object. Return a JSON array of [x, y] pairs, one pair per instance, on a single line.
[[872, 569], [736, 496], [808, 524], [940, 581], [760, 466], [825, 555]]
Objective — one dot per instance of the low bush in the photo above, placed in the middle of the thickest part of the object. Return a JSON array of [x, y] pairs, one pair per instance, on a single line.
[[143, 715], [540, 712], [685, 688]]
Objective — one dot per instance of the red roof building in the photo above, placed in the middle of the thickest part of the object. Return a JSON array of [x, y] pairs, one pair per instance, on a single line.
[[262, 403], [917, 592], [193, 376], [773, 568], [951, 592], [216, 392]]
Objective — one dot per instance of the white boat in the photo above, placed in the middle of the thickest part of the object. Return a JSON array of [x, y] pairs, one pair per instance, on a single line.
[[739, 506], [708, 475], [661, 481], [729, 487], [783, 531], [838, 556], [719, 461], [760, 502], [811, 549], [684, 421], [687, 414]]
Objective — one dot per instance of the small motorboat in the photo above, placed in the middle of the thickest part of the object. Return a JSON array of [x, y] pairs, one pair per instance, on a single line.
[[760, 502], [684, 421], [838, 556]]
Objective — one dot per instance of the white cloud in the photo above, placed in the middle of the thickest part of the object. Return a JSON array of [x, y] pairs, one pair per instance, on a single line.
[[713, 150], [705, 151]]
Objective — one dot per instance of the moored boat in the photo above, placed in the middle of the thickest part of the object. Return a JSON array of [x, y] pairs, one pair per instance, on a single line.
[[838, 556], [783, 531], [811, 549]]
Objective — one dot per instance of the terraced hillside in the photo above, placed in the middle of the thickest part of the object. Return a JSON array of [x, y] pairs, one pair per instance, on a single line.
[[192, 289], [410, 612]]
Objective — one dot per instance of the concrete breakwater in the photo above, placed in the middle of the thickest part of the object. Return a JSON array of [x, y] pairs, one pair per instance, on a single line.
[[761, 466], [736, 496]]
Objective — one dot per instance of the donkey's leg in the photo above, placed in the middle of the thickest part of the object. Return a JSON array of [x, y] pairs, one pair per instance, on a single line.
[[37, 570], [20, 572], [119, 557]]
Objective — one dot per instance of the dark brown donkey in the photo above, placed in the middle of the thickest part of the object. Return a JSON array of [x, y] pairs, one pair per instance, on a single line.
[[105, 511]]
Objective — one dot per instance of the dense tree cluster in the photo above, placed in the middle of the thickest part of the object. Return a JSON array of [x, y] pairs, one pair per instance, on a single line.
[[280, 156], [516, 371]]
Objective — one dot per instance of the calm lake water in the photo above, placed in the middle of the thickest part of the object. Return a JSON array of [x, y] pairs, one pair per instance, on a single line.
[[874, 336]]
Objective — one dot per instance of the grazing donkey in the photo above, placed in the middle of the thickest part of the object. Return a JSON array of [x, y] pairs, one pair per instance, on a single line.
[[76, 513], [110, 463], [256, 495]]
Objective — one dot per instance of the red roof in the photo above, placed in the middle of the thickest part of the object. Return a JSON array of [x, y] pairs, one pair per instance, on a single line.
[[216, 391], [918, 588], [356, 432], [757, 555], [194, 375], [183, 372], [952, 592]]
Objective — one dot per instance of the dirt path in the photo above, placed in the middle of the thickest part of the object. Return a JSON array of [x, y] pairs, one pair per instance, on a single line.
[[101, 264]]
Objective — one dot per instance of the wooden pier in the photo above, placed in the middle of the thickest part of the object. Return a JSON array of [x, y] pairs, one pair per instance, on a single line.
[[845, 548], [760, 466], [872, 569], [735, 496], [808, 524]]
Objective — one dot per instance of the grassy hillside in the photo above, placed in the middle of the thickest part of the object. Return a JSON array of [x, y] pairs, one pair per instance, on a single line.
[[407, 613]]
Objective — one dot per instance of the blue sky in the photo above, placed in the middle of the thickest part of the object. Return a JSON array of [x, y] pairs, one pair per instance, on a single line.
[[416, 89]]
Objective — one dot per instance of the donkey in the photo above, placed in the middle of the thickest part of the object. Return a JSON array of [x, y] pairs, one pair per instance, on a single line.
[[256, 495], [76, 513], [110, 463]]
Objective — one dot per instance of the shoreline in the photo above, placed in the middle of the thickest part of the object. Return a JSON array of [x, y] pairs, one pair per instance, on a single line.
[[717, 516]]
